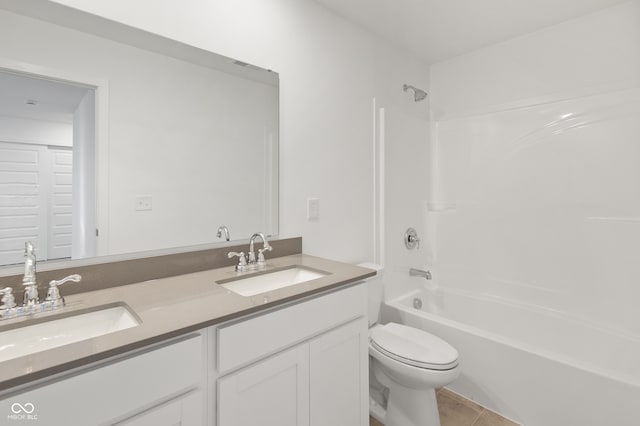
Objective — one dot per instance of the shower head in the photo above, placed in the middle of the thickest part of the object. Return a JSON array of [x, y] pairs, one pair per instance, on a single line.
[[418, 94]]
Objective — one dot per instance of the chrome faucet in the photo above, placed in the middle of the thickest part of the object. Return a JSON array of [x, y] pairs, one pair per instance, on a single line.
[[252, 254], [29, 279], [249, 262], [223, 229], [32, 304], [420, 273]]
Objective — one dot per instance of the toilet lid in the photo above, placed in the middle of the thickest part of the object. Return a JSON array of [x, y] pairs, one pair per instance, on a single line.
[[413, 346]]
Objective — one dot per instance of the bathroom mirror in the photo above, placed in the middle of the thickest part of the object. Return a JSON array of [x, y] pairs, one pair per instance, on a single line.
[[121, 141]]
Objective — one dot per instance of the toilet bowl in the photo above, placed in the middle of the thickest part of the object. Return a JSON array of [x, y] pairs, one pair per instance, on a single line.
[[410, 363]]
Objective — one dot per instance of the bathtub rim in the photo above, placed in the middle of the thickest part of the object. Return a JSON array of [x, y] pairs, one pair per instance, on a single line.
[[397, 303]]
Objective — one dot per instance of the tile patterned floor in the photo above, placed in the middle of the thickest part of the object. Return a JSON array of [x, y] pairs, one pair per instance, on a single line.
[[458, 411]]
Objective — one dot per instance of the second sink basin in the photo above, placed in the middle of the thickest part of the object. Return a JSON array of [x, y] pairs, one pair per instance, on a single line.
[[54, 332], [269, 281]]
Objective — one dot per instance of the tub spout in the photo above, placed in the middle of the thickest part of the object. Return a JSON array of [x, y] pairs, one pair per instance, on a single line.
[[420, 273]]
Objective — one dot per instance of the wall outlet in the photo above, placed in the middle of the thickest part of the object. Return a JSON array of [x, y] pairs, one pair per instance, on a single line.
[[313, 209], [143, 203]]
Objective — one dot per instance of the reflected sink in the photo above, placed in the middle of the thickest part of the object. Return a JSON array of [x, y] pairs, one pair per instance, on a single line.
[[269, 281], [59, 331]]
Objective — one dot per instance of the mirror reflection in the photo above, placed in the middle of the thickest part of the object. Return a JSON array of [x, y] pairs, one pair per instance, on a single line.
[[109, 147]]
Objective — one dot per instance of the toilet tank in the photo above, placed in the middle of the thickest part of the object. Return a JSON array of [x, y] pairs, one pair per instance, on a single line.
[[375, 291]]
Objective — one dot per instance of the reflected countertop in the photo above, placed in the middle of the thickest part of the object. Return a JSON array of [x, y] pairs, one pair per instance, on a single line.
[[169, 307]]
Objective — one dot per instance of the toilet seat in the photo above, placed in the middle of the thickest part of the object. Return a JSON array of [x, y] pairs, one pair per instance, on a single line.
[[414, 347]]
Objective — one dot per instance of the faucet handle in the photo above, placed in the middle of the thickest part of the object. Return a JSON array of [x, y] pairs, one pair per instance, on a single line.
[[411, 239], [75, 278], [261, 253], [53, 294], [242, 261], [8, 300]]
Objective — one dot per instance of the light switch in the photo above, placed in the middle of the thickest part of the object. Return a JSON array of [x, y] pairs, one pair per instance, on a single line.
[[313, 209], [143, 203]]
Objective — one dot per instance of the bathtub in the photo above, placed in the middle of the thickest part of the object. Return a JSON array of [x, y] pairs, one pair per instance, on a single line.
[[536, 367]]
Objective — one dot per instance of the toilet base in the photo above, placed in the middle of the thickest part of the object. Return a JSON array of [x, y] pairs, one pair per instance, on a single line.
[[412, 407], [407, 407], [377, 411]]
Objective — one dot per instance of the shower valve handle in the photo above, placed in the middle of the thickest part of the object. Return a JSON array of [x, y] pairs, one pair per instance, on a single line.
[[411, 239]]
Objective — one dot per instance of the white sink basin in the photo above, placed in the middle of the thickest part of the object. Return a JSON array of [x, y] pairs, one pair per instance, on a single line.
[[269, 281], [29, 339]]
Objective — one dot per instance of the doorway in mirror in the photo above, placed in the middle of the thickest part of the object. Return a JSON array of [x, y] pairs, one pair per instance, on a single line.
[[47, 131]]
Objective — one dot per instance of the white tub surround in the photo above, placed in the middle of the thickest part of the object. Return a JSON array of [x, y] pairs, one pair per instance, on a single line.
[[535, 201]]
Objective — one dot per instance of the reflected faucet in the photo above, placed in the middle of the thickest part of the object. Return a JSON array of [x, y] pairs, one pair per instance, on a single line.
[[225, 230], [29, 279]]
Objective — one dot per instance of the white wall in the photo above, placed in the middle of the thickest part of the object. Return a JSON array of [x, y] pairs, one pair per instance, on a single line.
[[327, 82], [39, 132], [538, 182], [404, 129]]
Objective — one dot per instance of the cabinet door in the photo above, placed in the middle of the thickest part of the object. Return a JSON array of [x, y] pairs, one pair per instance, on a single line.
[[339, 381], [273, 392], [185, 410]]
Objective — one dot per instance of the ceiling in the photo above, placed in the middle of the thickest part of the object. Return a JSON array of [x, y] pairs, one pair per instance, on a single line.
[[440, 29], [54, 101]]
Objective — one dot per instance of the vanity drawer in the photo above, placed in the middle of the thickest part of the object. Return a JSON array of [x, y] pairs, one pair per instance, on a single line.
[[116, 389], [246, 340]]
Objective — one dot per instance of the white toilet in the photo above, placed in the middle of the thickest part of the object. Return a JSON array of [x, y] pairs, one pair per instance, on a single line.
[[410, 363]]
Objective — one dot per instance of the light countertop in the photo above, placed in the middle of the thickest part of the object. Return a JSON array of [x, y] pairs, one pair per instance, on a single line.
[[168, 307]]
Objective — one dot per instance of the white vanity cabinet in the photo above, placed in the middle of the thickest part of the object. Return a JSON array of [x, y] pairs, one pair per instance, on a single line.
[[161, 385], [301, 365]]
